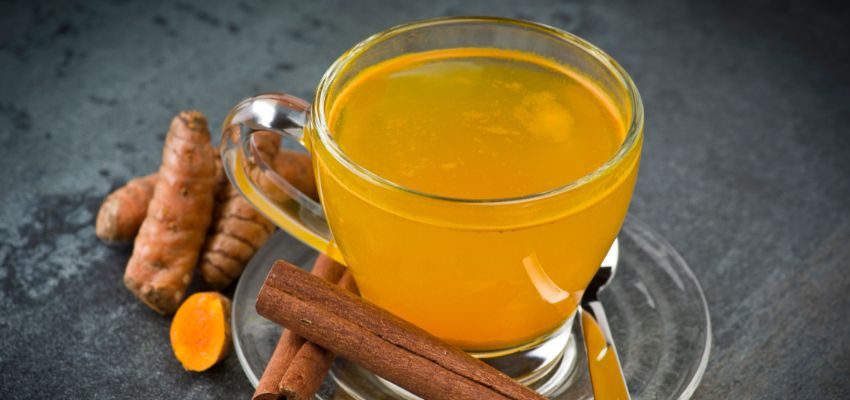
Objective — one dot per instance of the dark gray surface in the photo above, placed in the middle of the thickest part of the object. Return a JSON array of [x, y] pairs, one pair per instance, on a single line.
[[746, 169]]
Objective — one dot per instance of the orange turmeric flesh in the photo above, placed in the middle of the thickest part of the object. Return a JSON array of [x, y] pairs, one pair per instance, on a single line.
[[200, 331]]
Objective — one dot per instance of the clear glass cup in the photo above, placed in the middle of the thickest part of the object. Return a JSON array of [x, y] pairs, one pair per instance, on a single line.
[[478, 249]]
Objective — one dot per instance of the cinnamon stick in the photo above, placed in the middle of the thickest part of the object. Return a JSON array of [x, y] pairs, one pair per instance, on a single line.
[[379, 341], [308, 369], [306, 373], [285, 355], [347, 282], [285, 351], [328, 269]]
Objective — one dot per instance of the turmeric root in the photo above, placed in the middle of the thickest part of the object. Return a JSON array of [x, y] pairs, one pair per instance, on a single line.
[[123, 211], [295, 168], [238, 233], [178, 216], [200, 331], [239, 230]]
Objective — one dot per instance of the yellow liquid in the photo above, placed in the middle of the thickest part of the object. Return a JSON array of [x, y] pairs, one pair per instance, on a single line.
[[474, 124]]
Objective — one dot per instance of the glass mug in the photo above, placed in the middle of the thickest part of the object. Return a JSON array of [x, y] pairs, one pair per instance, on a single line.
[[500, 278]]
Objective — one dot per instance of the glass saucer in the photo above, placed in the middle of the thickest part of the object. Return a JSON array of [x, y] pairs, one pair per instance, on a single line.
[[655, 306]]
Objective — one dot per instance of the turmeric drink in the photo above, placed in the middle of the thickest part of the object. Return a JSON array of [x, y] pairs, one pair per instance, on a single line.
[[455, 215]]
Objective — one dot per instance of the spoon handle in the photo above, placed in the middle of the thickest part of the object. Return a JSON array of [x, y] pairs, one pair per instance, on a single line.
[[606, 375]]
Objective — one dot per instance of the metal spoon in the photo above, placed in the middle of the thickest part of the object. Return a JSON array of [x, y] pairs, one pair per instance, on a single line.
[[606, 375]]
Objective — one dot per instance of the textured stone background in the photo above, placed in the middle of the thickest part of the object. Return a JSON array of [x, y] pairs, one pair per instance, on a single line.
[[746, 168]]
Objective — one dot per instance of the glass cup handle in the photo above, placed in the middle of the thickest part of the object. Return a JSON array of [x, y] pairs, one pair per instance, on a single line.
[[253, 127]]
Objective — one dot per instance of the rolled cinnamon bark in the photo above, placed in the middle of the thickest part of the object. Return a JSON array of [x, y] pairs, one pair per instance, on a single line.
[[347, 282], [306, 373], [308, 369], [285, 351], [285, 356], [328, 269], [379, 341]]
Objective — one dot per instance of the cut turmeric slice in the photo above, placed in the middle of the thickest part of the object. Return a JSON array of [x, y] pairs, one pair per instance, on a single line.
[[200, 331]]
